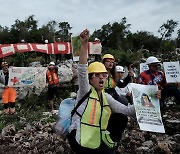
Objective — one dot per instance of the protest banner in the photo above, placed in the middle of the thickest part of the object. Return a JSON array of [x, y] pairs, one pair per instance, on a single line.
[[49, 48], [94, 48], [143, 67], [76, 45], [147, 107], [27, 76], [172, 71]]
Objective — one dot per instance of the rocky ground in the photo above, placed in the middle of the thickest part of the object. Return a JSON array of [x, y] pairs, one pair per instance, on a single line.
[[42, 139]]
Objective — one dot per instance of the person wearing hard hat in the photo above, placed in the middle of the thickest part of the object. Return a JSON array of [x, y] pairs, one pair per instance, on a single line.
[[155, 77], [125, 92], [100, 120], [53, 83], [9, 93], [109, 62]]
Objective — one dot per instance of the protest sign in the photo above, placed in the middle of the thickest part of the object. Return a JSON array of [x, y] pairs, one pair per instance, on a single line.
[[172, 71], [147, 107], [76, 45], [27, 76], [95, 48], [143, 67]]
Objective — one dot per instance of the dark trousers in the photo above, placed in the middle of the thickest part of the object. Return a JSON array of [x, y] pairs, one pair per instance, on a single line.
[[169, 92], [10, 104], [117, 124]]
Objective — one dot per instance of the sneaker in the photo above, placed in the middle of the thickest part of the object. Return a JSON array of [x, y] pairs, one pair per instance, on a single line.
[[6, 111]]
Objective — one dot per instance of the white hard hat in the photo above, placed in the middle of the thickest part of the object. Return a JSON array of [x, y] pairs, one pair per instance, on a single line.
[[120, 69], [151, 60], [46, 41], [96, 39], [52, 63]]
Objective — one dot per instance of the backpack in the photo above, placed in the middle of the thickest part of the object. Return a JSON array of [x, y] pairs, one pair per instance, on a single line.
[[66, 111]]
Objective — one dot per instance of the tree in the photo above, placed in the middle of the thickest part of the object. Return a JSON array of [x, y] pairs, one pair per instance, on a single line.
[[24, 30], [143, 38], [167, 29], [48, 31], [63, 33], [5, 36], [178, 39], [113, 35]]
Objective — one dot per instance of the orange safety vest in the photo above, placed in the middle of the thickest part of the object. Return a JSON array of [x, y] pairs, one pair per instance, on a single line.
[[52, 77]]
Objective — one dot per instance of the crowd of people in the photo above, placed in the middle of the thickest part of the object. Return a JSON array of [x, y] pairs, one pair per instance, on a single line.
[[100, 120]]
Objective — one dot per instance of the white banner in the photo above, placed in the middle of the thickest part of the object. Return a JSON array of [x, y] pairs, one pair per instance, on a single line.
[[27, 76], [147, 107], [172, 71], [143, 67]]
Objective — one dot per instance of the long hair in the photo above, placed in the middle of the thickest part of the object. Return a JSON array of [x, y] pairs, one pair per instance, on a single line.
[[112, 71], [142, 99]]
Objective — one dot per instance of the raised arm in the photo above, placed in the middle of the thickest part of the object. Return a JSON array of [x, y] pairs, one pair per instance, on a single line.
[[84, 36]]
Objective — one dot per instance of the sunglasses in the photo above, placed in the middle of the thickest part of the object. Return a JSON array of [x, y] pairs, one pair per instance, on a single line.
[[97, 75], [155, 65]]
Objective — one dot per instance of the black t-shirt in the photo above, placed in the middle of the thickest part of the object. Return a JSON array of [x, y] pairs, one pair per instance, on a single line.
[[6, 78]]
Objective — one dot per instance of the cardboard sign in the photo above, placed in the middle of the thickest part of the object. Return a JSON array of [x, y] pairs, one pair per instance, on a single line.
[[172, 71], [143, 67], [147, 107], [27, 76]]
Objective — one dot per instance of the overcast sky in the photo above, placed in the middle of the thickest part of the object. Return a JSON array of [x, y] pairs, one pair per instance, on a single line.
[[146, 15]]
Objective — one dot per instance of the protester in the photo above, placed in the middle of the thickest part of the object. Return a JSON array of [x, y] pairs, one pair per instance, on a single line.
[[109, 62], [53, 83], [9, 93], [124, 83], [100, 120], [155, 77]]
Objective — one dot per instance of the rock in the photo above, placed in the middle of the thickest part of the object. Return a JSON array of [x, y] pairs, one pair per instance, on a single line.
[[165, 147], [8, 130], [38, 138], [148, 144], [143, 150]]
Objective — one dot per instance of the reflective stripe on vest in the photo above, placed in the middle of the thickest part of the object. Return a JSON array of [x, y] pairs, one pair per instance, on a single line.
[[52, 77], [110, 83], [94, 122]]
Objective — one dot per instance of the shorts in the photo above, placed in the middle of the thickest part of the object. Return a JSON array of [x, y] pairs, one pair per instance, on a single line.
[[53, 91], [9, 95]]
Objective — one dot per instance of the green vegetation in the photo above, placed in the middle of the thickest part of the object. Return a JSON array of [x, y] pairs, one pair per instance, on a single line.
[[30, 110]]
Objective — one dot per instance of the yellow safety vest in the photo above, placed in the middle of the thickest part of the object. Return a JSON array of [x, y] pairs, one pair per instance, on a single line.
[[94, 122], [110, 83]]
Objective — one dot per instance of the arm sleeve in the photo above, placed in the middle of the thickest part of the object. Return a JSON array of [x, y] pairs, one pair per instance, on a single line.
[[124, 84], [118, 107], [2, 79], [141, 79], [83, 81], [163, 83]]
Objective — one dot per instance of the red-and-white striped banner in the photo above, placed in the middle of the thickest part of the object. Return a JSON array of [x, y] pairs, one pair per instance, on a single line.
[[50, 48]]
